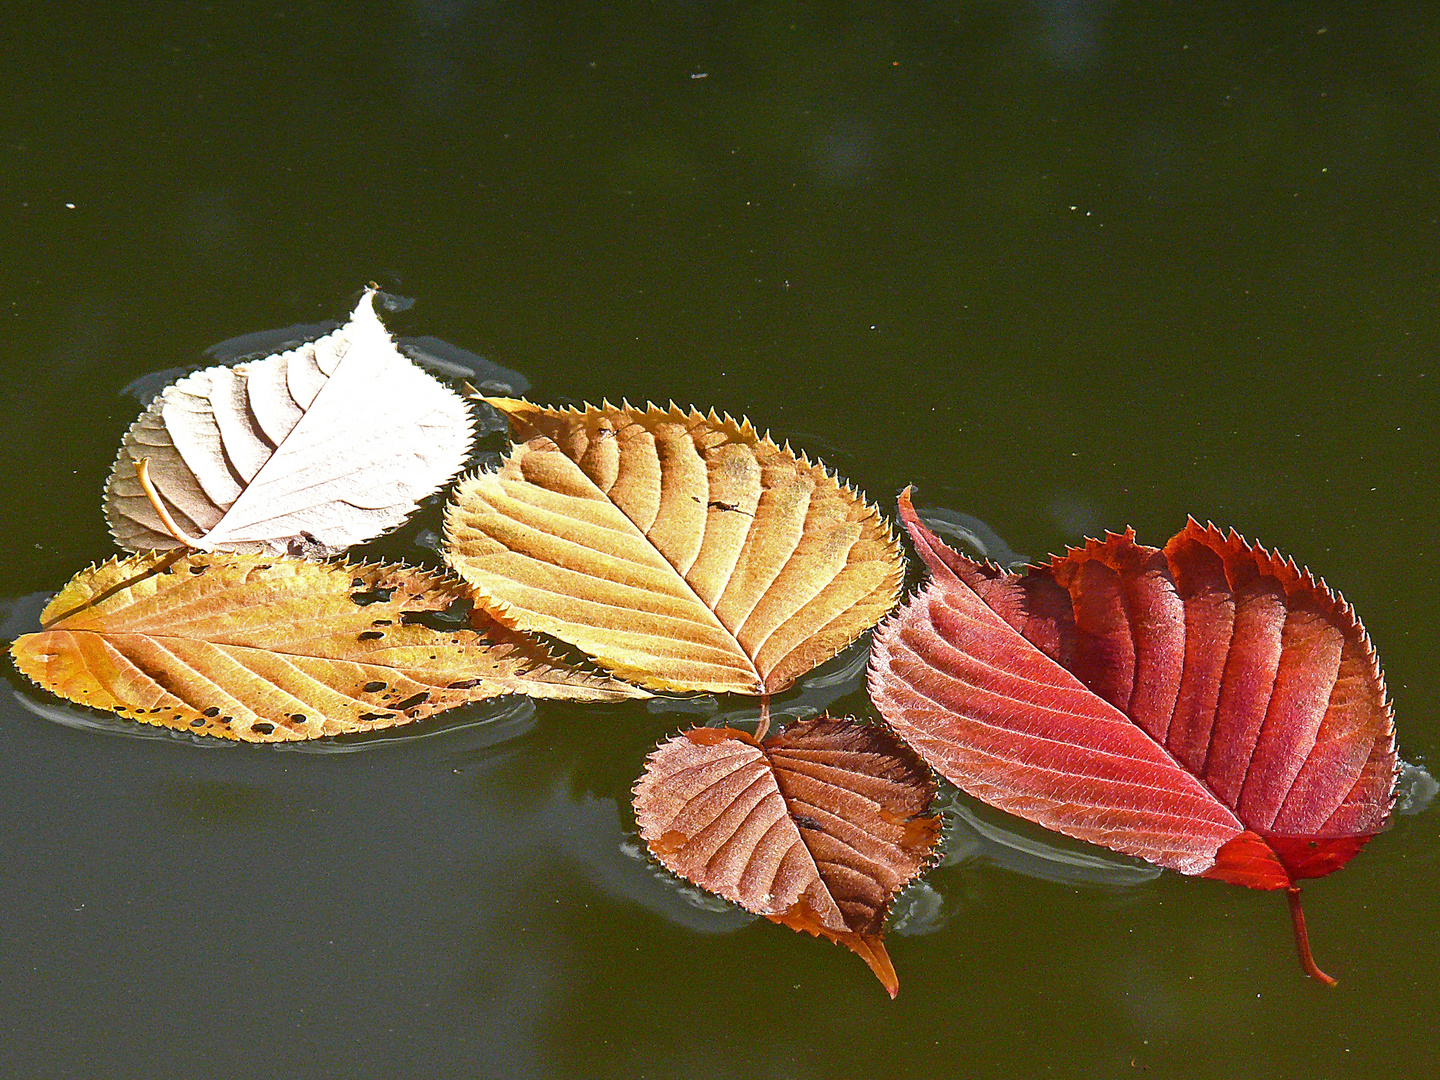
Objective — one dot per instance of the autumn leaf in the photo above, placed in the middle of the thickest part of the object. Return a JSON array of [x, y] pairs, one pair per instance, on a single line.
[[683, 552], [819, 827], [307, 452], [274, 649], [1209, 707]]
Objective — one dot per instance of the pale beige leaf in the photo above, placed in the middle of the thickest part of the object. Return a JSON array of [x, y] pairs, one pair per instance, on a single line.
[[682, 551], [308, 451], [273, 649]]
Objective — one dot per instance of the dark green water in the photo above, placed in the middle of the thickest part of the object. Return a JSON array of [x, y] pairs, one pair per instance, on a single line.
[[1064, 265]]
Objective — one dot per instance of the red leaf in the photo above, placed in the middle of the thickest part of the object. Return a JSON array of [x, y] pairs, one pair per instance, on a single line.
[[1209, 707], [817, 828]]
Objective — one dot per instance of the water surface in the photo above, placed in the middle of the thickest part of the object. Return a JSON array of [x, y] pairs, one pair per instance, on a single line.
[[1065, 266]]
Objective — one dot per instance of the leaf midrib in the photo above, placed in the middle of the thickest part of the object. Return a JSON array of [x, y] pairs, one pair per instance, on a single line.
[[635, 531]]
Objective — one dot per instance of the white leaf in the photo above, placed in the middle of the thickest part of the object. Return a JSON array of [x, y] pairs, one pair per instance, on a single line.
[[309, 451]]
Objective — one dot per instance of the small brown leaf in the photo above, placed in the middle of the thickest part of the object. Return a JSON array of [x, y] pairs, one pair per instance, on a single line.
[[274, 649], [682, 551], [818, 828], [306, 452]]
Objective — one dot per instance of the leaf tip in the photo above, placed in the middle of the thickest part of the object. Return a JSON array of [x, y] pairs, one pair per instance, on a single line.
[[869, 947]]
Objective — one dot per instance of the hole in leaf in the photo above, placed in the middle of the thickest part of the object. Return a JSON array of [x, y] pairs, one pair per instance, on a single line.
[[366, 597], [454, 617]]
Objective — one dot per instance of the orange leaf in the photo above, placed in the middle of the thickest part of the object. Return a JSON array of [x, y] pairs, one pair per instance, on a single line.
[[272, 649]]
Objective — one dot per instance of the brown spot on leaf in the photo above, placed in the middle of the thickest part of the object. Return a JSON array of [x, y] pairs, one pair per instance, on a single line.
[[918, 832]]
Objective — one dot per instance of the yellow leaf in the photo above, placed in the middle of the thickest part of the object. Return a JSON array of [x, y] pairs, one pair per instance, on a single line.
[[273, 649], [683, 552]]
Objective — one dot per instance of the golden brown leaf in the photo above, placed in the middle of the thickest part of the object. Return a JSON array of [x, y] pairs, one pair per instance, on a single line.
[[817, 828], [683, 552], [275, 649]]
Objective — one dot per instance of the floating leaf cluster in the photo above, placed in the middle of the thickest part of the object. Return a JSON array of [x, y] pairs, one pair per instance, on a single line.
[[1208, 707]]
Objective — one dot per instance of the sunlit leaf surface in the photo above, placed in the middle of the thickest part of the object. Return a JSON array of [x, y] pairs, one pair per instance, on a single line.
[[271, 649], [308, 452], [682, 551]]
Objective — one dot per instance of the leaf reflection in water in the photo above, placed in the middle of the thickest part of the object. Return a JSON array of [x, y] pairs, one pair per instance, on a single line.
[[972, 535], [82, 719], [840, 676], [502, 719], [969, 838], [920, 909], [487, 723], [588, 832]]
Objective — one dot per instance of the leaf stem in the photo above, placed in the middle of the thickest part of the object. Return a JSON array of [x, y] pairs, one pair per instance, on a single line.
[[1302, 938], [763, 728], [142, 473]]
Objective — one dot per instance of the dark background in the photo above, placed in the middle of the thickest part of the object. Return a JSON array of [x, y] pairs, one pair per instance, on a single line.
[[1065, 265]]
